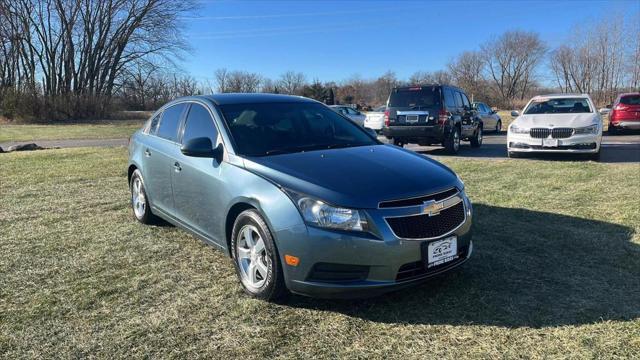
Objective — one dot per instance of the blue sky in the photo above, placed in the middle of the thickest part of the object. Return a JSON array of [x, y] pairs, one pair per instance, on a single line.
[[334, 40]]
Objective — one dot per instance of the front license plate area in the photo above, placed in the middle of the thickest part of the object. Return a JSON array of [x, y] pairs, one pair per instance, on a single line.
[[550, 142], [440, 252]]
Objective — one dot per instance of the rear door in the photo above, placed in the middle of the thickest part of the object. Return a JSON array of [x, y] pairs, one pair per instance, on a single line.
[[469, 118], [197, 181], [488, 119], [160, 152], [415, 106]]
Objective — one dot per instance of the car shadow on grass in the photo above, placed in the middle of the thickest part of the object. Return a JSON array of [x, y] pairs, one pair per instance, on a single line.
[[528, 269]]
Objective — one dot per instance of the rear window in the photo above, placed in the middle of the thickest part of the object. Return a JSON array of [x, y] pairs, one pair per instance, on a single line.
[[630, 100], [415, 98], [170, 121], [558, 106]]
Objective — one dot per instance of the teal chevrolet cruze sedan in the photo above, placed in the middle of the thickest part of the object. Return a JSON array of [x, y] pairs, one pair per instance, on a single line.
[[302, 199]]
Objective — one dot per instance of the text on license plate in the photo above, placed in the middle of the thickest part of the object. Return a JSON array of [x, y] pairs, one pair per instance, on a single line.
[[442, 251]]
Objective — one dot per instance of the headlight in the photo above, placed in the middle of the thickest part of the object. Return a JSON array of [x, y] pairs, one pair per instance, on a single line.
[[593, 129], [516, 130], [317, 212]]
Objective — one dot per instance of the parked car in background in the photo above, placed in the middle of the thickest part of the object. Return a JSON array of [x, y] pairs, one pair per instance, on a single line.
[[432, 114], [375, 119], [350, 112], [490, 119], [299, 197], [625, 113], [564, 123]]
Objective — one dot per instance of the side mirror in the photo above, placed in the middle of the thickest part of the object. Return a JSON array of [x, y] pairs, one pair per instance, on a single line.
[[609, 106], [493, 112], [604, 111], [515, 113], [202, 147]]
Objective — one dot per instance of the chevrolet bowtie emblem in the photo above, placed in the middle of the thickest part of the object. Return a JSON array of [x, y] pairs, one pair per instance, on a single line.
[[432, 208]]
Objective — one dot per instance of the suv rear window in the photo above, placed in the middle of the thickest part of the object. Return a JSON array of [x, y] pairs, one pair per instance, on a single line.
[[630, 100], [415, 97]]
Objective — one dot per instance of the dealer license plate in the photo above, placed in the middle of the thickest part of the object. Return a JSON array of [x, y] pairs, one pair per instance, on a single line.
[[442, 251]]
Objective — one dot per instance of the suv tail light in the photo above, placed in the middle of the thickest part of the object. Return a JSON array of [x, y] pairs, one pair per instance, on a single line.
[[442, 117], [386, 117]]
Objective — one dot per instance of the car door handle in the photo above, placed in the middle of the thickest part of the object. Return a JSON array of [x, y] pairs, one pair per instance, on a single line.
[[147, 153], [177, 167]]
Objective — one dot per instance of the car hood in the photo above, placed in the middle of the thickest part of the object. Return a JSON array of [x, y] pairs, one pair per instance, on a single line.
[[556, 120], [356, 177]]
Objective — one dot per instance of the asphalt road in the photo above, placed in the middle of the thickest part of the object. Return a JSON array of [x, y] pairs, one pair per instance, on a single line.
[[615, 149]]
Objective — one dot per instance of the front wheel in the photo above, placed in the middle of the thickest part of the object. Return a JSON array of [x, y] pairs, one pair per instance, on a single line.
[[452, 142], [256, 258], [499, 126], [476, 141]]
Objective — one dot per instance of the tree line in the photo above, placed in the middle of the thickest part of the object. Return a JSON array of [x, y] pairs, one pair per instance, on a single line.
[[70, 59]]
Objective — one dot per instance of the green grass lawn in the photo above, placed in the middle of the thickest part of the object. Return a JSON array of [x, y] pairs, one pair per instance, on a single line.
[[555, 274], [116, 129]]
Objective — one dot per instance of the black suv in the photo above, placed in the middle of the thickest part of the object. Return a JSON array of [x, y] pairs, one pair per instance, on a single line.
[[432, 114]]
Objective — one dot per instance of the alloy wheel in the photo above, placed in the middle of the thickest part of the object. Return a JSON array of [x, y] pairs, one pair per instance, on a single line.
[[138, 199], [251, 254]]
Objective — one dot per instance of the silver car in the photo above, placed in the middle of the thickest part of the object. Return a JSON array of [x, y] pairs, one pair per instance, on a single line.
[[490, 119], [353, 114]]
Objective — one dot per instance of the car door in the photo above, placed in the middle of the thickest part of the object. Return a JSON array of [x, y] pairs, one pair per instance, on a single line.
[[488, 118], [160, 150], [197, 181]]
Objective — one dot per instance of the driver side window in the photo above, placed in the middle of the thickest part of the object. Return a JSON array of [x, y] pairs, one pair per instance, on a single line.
[[199, 124]]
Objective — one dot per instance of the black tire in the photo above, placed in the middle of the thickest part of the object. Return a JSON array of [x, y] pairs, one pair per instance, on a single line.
[[452, 142], [476, 140], [613, 130], [273, 288], [513, 155], [141, 211], [498, 126], [397, 142]]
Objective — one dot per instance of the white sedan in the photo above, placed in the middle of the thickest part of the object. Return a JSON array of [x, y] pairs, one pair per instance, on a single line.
[[353, 114], [375, 118], [564, 123]]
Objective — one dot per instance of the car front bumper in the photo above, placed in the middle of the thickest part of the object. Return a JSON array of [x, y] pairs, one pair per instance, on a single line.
[[585, 144], [372, 264]]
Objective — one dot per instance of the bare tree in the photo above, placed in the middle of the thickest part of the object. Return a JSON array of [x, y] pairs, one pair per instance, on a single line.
[[292, 82], [511, 61], [467, 72]]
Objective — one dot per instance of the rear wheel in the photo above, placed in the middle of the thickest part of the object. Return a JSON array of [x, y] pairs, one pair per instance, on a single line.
[[499, 126], [256, 258], [140, 200], [476, 141], [452, 142], [398, 142]]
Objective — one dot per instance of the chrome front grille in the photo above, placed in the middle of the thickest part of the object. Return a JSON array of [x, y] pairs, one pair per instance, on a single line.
[[556, 133], [426, 226]]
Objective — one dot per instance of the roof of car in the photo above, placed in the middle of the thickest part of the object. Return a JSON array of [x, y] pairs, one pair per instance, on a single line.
[[246, 98], [555, 96]]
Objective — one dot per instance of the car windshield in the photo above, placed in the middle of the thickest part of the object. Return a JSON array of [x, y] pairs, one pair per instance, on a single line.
[[630, 100], [415, 97], [558, 106], [278, 128]]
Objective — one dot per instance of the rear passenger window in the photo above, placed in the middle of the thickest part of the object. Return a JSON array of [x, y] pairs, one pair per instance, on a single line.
[[171, 116], [199, 124], [465, 100], [448, 99], [153, 124], [458, 98]]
